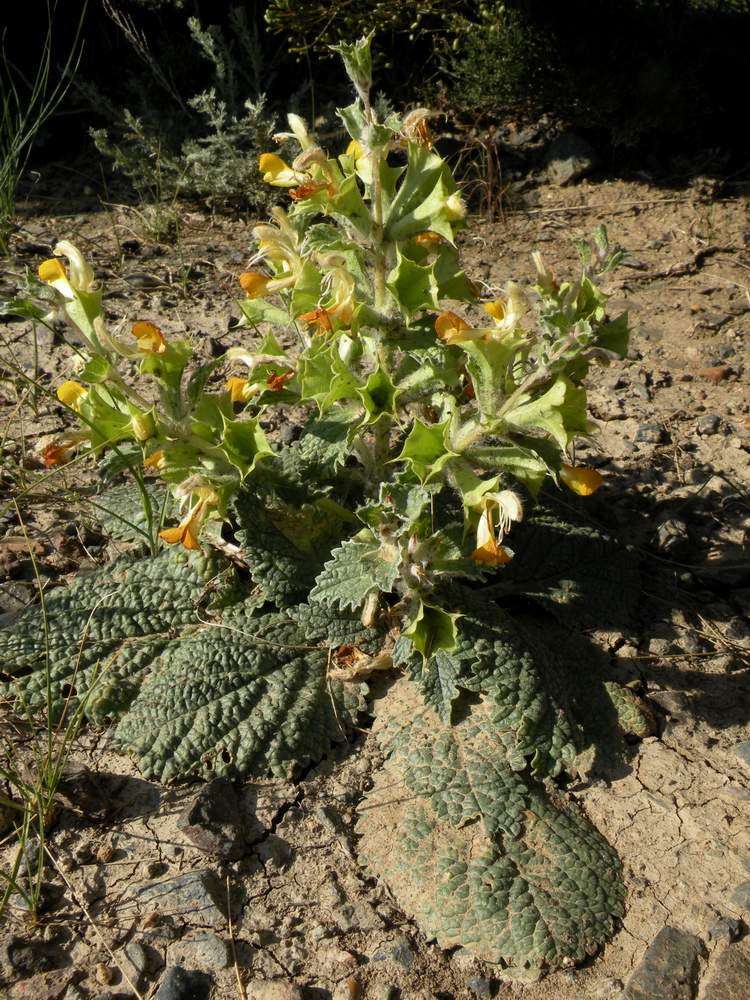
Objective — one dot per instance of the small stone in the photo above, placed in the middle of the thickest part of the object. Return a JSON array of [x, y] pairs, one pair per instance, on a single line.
[[212, 820], [651, 433], [672, 534], [715, 374], [726, 929], [743, 751], [399, 950], [274, 849], [195, 896], [386, 993], [138, 961], [273, 989], [609, 989], [709, 424], [26, 957], [741, 896], [201, 950], [668, 970], [104, 974], [674, 703], [179, 984], [570, 157], [480, 986]]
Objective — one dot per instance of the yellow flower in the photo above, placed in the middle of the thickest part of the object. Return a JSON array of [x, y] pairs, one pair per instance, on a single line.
[[240, 390], [278, 173], [428, 240], [499, 510], [581, 480], [508, 312], [355, 149], [254, 284], [451, 328], [149, 338], [52, 271], [71, 393]]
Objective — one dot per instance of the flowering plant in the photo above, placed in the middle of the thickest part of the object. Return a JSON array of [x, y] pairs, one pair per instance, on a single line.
[[432, 410]]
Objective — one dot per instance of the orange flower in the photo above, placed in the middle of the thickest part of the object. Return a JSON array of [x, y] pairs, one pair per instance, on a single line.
[[56, 454], [154, 460], [428, 239], [489, 551], [581, 480], [149, 338], [451, 328], [308, 190], [254, 284], [187, 531], [317, 317], [277, 380]]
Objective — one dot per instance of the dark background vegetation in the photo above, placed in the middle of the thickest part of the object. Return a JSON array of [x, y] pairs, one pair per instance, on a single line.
[[649, 82]]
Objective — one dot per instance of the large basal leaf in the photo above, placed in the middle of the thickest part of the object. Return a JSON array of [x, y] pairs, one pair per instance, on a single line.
[[284, 546], [578, 572], [249, 695], [105, 630], [121, 513], [480, 855], [523, 682]]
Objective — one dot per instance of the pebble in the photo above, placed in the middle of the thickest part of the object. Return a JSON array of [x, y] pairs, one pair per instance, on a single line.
[[709, 424], [196, 896], [201, 950], [726, 929], [741, 896], [651, 433], [667, 970], [399, 950], [212, 821], [180, 984], [480, 986]]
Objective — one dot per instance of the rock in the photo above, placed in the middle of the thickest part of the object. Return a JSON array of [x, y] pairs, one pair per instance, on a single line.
[[725, 572], [672, 535], [399, 950], [674, 703], [386, 993], [715, 374], [201, 950], [273, 989], [651, 433], [25, 958], [729, 974], [726, 929], [743, 751], [709, 424], [609, 989], [741, 896], [196, 896], [45, 986], [138, 961], [212, 821], [274, 849], [668, 970], [479, 986], [570, 157], [179, 984]]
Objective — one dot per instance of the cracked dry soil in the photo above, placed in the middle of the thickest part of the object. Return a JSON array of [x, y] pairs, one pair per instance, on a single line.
[[287, 907]]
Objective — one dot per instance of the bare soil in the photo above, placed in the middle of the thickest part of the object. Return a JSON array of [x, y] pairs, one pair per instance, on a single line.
[[674, 446]]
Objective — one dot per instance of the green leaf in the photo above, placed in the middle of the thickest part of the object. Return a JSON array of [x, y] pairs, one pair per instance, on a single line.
[[614, 335], [119, 511], [378, 396], [425, 449], [324, 377], [525, 464], [479, 855], [256, 311], [105, 631], [420, 202], [489, 363], [355, 569], [576, 571], [244, 442], [307, 290], [432, 629], [559, 412], [96, 369], [412, 286], [284, 546]]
